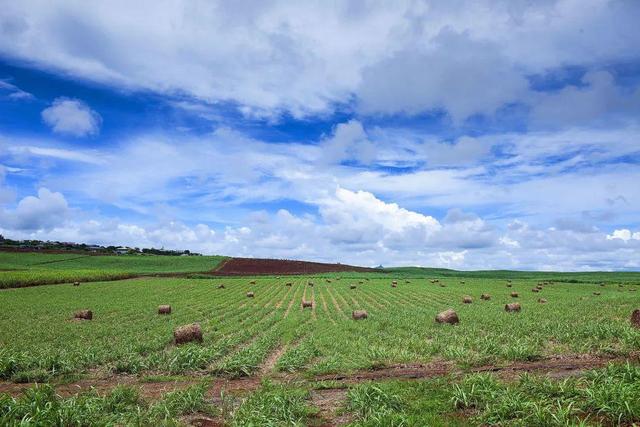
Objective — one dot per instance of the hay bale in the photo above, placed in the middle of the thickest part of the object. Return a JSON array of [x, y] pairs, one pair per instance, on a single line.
[[83, 315], [539, 287], [394, 282], [250, 295], [76, 283], [288, 284], [221, 286], [307, 304], [164, 309], [542, 300], [352, 286], [394, 285], [442, 285], [512, 307], [253, 282], [359, 314], [485, 297], [635, 318], [187, 333], [467, 299], [535, 290], [514, 295], [448, 316]]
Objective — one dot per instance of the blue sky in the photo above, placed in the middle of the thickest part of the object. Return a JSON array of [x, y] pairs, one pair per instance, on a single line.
[[470, 135]]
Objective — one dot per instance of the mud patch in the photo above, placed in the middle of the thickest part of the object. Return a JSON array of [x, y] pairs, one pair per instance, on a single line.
[[329, 403]]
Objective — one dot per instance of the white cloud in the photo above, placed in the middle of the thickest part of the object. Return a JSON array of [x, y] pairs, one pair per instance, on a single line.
[[624, 234], [71, 117], [465, 57], [42, 212], [14, 92]]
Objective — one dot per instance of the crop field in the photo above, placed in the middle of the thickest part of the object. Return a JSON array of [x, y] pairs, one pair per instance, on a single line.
[[29, 269], [265, 360]]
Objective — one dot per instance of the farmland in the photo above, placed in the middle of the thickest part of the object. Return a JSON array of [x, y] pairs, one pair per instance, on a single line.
[[28, 269], [267, 361]]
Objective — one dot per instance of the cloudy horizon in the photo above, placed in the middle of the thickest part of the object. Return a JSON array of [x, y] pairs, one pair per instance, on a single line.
[[466, 135]]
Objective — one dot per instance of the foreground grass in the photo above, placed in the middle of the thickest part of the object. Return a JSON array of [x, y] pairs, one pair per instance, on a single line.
[[608, 396], [41, 406]]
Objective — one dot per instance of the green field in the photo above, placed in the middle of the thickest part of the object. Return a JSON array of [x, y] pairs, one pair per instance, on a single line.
[[29, 269], [291, 358]]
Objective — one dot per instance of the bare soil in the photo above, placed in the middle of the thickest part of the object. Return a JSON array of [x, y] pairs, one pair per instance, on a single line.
[[260, 266]]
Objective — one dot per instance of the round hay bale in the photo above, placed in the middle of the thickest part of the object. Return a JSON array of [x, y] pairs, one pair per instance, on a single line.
[[307, 304], [514, 295], [394, 282], [512, 307], [359, 314], [250, 295], [539, 287], [352, 286], [535, 290], [485, 297], [220, 286], [187, 333], [467, 299], [542, 300], [83, 315], [448, 316], [442, 285], [164, 309], [394, 285], [635, 318], [76, 283]]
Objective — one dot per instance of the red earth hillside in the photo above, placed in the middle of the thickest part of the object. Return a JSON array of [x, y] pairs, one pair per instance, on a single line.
[[255, 266]]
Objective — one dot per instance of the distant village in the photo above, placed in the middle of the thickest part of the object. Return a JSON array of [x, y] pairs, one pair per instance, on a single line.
[[55, 246]]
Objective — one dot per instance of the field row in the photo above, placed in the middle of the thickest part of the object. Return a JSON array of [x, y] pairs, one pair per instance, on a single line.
[[243, 336]]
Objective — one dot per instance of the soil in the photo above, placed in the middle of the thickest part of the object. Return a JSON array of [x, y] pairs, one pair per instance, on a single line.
[[259, 266]]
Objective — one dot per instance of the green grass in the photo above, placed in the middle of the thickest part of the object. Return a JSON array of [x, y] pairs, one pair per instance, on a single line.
[[39, 342], [608, 396], [30, 269], [41, 406], [127, 336]]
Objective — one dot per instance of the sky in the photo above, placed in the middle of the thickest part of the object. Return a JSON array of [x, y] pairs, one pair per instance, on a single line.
[[460, 134]]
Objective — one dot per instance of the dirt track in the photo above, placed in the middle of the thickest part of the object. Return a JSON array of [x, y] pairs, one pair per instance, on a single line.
[[259, 266]]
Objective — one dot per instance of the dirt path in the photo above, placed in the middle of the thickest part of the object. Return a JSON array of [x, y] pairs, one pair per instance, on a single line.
[[555, 366]]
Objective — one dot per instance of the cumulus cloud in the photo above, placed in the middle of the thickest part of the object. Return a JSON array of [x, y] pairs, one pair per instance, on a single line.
[[42, 212], [624, 235], [71, 117]]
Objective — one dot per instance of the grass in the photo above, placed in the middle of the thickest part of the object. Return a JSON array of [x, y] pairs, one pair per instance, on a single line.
[[41, 406], [39, 342], [31, 269], [37, 337]]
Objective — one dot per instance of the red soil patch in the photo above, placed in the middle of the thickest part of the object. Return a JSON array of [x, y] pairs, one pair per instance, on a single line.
[[257, 266]]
